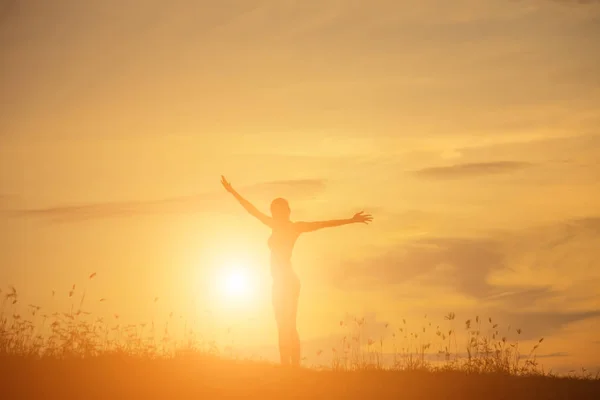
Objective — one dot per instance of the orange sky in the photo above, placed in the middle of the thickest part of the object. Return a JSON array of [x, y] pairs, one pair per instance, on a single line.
[[468, 128]]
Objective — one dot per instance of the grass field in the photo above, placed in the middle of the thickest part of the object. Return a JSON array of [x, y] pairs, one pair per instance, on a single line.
[[72, 355], [112, 377]]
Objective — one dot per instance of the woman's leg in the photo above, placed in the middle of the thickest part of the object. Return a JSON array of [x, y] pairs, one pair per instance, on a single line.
[[280, 309], [284, 347], [285, 303], [293, 330], [289, 341], [295, 348]]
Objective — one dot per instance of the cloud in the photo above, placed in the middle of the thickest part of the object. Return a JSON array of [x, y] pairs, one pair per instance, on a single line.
[[519, 297], [88, 211], [591, 223], [520, 271], [6, 200], [553, 355], [211, 201], [461, 262], [540, 256], [469, 170], [293, 187], [535, 325], [8, 7], [578, 1]]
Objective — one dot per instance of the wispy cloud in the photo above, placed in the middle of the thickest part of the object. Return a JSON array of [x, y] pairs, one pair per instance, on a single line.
[[88, 211], [535, 325], [468, 170], [461, 262], [7, 7], [297, 185], [577, 1], [520, 297], [6, 200], [553, 355], [209, 201]]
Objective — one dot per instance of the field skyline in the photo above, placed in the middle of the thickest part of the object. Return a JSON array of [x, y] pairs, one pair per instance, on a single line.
[[469, 129]]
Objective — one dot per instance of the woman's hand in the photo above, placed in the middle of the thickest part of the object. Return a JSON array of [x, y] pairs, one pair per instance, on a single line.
[[362, 217], [226, 184]]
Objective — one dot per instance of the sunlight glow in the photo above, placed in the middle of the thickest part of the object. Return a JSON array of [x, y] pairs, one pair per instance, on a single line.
[[235, 284]]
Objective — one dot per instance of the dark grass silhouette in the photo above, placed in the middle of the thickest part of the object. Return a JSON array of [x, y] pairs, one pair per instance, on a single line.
[[197, 376], [73, 355]]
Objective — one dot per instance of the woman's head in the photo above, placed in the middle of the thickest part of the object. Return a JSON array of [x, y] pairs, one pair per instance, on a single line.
[[280, 209]]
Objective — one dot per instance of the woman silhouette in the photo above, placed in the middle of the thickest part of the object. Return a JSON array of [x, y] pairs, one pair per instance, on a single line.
[[286, 285]]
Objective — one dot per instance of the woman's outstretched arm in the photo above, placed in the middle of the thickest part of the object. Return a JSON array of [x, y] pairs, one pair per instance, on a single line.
[[360, 217], [262, 217]]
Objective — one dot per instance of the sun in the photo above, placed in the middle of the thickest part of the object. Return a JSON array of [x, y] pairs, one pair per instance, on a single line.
[[235, 284], [232, 287]]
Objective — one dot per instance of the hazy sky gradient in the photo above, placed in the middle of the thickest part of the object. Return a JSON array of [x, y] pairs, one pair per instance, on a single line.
[[468, 128]]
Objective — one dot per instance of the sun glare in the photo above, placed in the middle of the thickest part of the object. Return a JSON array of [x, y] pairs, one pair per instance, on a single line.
[[235, 283]]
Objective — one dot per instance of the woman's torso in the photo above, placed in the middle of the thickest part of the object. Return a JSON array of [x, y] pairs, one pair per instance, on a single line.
[[281, 242]]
